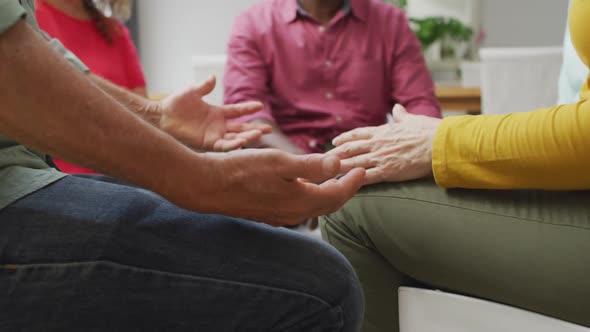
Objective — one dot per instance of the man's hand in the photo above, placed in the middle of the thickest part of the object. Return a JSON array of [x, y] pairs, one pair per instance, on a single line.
[[201, 126], [390, 153], [276, 140], [267, 186]]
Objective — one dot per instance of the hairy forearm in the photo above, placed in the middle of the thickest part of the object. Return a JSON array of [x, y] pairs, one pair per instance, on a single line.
[[277, 139], [145, 108], [51, 107]]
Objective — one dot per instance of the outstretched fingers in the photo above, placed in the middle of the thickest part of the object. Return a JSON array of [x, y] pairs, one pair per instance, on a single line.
[[249, 136], [234, 111], [205, 87], [225, 145], [314, 168], [374, 175], [354, 135], [331, 195], [365, 161], [351, 149], [399, 113], [234, 127]]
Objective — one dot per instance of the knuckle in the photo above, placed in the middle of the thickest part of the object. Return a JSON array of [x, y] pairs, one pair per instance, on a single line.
[[275, 157], [307, 159], [374, 160]]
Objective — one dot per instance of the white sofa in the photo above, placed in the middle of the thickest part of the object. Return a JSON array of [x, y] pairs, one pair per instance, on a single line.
[[434, 311]]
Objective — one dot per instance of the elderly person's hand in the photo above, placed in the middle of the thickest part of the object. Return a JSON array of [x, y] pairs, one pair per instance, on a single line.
[[202, 126], [393, 152]]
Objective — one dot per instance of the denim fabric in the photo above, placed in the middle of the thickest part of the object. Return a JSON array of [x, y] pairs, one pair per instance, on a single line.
[[87, 255]]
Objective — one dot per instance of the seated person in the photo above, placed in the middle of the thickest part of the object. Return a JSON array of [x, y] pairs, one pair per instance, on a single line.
[[573, 72], [323, 67], [102, 43], [81, 253], [518, 234]]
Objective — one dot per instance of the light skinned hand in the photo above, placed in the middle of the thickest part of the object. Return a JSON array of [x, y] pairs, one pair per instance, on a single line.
[[202, 126], [267, 185], [393, 152], [276, 140]]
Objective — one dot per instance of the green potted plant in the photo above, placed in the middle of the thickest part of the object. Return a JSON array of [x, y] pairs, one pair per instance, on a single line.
[[450, 32], [400, 3]]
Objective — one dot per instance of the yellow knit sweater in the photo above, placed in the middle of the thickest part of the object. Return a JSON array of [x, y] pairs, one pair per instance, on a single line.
[[543, 149]]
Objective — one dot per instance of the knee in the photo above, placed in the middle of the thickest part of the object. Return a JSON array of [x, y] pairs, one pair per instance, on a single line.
[[319, 270], [344, 227], [341, 286], [353, 303]]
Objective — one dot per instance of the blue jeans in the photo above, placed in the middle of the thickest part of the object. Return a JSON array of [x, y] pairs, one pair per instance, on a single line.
[[96, 255]]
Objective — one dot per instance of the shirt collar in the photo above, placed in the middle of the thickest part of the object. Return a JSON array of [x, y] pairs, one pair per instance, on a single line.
[[358, 8]]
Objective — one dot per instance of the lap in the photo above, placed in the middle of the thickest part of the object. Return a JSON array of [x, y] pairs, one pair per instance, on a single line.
[[81, 230], [509, 246]]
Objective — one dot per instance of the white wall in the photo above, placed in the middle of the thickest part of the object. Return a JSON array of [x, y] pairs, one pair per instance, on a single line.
[[514, 23], [464, 10], [172, 31]]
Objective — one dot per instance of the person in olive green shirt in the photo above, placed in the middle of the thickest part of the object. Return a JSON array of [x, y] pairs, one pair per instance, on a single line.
[[523, 240], [97, 253]]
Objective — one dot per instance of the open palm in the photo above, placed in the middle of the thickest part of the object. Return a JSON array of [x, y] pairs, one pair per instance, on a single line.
[[202, 126]]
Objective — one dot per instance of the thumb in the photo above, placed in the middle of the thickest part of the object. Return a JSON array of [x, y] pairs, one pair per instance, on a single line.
[[313, 167], [399, 113], [206, 87]]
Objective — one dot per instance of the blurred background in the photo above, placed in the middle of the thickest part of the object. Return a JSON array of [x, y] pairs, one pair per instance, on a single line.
[[180, 41], [169, 33]]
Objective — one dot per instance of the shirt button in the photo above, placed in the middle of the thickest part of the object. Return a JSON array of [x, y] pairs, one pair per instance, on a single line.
[[321, 29], [313, 144], [329, 95], [338, 118], [328, 63]]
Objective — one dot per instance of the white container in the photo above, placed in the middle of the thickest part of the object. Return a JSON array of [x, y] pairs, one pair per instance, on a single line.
[[471, 74], [423, 310], [519, 79]]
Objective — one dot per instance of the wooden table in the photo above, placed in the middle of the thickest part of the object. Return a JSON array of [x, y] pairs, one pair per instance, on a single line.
[[454, 98]]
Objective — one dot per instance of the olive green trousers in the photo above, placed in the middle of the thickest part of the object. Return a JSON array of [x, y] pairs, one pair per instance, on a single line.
[[528, 249]]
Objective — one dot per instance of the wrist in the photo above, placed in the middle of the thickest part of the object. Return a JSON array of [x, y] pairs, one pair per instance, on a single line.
[[152, 112], [201, 195]]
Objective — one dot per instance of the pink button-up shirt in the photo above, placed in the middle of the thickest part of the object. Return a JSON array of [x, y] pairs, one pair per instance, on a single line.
[[318, 81]]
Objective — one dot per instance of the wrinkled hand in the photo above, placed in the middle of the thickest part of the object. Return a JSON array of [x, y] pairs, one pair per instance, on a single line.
[[393, 152], [267, 186], [201, 126]]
